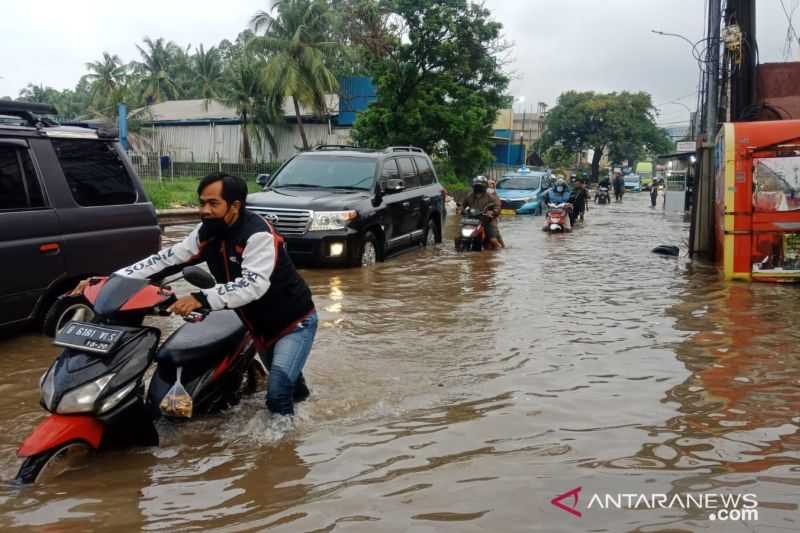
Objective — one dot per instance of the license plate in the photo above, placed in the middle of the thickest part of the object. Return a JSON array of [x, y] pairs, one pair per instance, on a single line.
[[508, 212], [88, 337]]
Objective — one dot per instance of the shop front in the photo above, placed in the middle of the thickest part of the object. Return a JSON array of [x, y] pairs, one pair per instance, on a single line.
[[757, 202]]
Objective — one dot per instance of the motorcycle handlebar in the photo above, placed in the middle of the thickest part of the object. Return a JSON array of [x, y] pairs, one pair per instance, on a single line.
[[197, 316]]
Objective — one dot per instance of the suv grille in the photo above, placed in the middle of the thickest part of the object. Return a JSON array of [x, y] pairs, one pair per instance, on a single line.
[[288, 222]]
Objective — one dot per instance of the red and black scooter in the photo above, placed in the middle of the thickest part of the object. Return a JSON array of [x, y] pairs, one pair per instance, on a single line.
[[95, 389], [472, 231], [557, 218]]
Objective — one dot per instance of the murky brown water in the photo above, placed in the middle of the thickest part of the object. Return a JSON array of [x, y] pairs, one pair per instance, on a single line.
[[463, 392]]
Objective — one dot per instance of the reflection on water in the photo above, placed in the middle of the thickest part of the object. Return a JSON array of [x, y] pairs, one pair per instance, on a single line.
[[466, 391]]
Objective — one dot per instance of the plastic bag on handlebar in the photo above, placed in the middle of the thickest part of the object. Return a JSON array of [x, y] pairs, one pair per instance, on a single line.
[[177, 402]]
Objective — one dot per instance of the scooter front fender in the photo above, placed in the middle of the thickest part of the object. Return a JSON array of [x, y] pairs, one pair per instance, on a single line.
[[56, 430]]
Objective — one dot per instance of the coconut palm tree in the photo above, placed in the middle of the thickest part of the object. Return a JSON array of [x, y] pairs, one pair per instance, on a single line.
[[297, 47], [107, 78], [243, 92], [155, 68], [208, 69]]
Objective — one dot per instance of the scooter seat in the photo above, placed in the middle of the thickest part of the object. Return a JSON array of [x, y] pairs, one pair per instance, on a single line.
[[206, 342]]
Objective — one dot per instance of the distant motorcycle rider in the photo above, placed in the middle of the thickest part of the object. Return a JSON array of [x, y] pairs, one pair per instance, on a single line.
[[488, 205]]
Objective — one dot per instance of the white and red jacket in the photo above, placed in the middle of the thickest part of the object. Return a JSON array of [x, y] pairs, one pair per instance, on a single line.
[[254, 274]]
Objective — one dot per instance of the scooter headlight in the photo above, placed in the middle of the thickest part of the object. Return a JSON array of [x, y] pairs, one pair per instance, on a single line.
[[113, 400], [48, 388], [467, 231], [82, 399]]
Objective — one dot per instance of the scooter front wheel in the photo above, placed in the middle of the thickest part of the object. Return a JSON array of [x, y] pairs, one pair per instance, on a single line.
[[52, 463]]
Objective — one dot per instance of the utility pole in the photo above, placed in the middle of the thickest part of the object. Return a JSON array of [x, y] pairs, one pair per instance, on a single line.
[[702, 232]]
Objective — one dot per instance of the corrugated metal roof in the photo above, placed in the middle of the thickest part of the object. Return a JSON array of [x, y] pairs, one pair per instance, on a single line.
[[212, 110]]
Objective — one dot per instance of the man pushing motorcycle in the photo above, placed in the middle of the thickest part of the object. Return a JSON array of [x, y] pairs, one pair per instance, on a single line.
[[255, 277]]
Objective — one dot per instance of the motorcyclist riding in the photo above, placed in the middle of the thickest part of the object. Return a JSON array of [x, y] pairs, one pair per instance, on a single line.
[[559, 194], [487, 204], [255, 277]]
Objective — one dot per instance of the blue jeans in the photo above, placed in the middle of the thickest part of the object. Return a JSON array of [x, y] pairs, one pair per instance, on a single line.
[[289, 355]]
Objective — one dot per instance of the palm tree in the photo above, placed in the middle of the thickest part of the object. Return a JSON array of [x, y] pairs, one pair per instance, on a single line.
[[296, 47], [157, 82], [208, 69], [107, 79], [243, 93]]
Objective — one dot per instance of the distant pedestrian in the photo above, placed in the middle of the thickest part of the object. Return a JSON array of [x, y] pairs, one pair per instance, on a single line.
[[619, 187]]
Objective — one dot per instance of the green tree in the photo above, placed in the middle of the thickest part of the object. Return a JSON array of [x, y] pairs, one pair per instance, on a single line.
[[440, 84], [297, 47], [107, 82], [157, 84], [244, 93], [208, 70], [621, 123]]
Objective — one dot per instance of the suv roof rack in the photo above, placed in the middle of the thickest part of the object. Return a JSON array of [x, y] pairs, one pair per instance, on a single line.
[[29, 112], [404, 149], [331, 147]]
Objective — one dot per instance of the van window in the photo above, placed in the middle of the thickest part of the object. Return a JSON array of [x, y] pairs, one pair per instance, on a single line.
[[425, 171], [19, 188], [408, 173], [95, 173]]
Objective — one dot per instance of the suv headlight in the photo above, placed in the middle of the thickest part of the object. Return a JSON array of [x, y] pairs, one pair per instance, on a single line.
[[331, 220], [82, 399]]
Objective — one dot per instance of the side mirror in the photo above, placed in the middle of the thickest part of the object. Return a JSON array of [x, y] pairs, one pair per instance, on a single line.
[[395, 186], [198, 277], [262, 180]]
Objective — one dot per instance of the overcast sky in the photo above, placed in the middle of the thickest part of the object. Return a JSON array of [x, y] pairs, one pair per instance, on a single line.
[[558, 44]]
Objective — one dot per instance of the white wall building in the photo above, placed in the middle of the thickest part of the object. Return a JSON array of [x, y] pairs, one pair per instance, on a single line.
[[200, 130]]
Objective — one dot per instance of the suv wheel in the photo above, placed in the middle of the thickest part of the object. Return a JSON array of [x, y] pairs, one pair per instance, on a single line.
[[430, 235], [63, 310], [369, 251]]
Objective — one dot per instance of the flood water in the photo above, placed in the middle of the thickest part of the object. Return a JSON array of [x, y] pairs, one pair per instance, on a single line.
[[464, 392]]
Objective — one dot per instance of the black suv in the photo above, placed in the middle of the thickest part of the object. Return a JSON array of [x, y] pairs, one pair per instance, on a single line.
[[339, 205], [70, 206]]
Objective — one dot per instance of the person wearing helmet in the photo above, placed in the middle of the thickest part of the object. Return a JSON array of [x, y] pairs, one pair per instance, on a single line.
[[480, 199], [559, 194]]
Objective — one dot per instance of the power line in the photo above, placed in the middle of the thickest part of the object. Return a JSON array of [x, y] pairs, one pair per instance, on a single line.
[[789, 18]]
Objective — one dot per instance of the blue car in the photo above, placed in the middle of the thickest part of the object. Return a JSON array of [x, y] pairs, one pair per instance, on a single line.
[[633, 183], [521, 193]]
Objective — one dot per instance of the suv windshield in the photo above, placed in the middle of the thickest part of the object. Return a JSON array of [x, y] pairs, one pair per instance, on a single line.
[[327, 172], [530, 183]]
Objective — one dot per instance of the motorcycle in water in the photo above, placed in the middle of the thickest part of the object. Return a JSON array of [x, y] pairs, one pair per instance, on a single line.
[[471, 231], [95, 390], [557, 217], [602, 196]]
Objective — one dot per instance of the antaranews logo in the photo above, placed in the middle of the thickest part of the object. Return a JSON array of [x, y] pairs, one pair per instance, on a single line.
[[721, 507]]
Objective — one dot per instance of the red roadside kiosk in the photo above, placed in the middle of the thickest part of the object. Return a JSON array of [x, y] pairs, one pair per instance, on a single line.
[[757, 202]]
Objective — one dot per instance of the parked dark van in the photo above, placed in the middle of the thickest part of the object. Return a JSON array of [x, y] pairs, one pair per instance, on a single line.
[[344, 206], [71, 206]]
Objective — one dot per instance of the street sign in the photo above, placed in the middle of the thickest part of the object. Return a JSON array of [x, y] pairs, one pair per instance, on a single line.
[[686, 146]]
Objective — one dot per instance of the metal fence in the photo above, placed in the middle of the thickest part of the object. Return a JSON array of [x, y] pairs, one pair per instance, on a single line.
[[157, 166]]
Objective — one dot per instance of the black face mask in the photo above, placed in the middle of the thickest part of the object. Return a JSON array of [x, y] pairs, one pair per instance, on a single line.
[[214, 227], [478, 189]]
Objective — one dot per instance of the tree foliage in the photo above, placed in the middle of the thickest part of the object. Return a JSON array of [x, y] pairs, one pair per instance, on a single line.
[[437, 65], [623, 124], [440, 84], [296, 46]]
